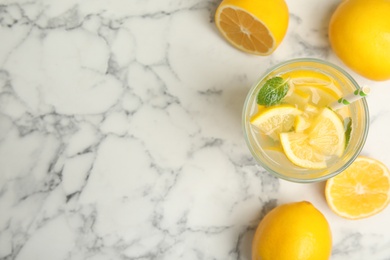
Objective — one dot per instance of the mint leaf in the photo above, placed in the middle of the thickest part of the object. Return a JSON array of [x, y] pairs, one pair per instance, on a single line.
[[272, 92], [348, 130]]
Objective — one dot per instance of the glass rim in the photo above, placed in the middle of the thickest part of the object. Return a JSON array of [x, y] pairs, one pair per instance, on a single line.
[[360, 143]]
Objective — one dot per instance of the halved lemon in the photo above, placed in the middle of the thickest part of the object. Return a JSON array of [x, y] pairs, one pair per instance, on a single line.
[[360, 191], [276, 119], [309, 149], [255, 27]]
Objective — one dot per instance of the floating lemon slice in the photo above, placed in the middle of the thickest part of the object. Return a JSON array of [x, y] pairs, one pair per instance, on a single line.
[[309, 149], [302, 78], [299, 151], [360, 191], [327, 86], [302, 73], [327, 133], [275, 120], [321, 95], [321, 88]]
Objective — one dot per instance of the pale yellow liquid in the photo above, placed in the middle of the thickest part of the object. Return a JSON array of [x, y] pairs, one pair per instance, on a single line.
[[310, 92]]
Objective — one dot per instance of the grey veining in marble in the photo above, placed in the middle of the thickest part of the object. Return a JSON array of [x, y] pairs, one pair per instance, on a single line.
[[120, 133]]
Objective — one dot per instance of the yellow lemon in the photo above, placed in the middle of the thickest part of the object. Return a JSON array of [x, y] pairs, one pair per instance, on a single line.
[[293, 231], [359, 33], [275, 120], [320, 87], [298, 149], [360, 191], [324, 137], [253, 26]]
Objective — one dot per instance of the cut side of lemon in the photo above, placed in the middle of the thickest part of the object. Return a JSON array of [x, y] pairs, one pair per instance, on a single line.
[[255, 27], [360, 191], [275, 120], [245, 32], [309, 149]]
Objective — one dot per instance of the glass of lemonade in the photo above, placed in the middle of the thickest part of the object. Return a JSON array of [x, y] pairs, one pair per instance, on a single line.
[[291, 126]]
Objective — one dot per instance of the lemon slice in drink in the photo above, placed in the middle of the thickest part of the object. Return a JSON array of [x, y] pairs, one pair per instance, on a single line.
[[327, 86], [309, 149], [314, 79], [320, 95], [275, 120], [299, 151], [321, 88], [327, 133], [308, 74]]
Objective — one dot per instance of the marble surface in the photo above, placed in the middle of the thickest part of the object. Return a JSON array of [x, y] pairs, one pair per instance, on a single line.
[[120, 133]]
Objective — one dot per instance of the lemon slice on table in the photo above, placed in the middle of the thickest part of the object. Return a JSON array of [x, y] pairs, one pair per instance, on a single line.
[[325, 137], [276, 119], [255, 27], [360, 191]]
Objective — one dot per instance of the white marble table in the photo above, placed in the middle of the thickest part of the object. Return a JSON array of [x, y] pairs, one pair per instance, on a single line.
[[120, 133]]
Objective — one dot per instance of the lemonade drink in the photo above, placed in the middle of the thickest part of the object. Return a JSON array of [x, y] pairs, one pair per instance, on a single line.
[[291, 130]]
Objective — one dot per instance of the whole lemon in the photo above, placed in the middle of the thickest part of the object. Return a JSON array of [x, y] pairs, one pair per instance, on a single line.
[[294, 231], [359, 34]]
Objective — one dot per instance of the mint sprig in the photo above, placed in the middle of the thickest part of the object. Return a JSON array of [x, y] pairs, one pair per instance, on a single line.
[[348, 130], [272, 92]]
